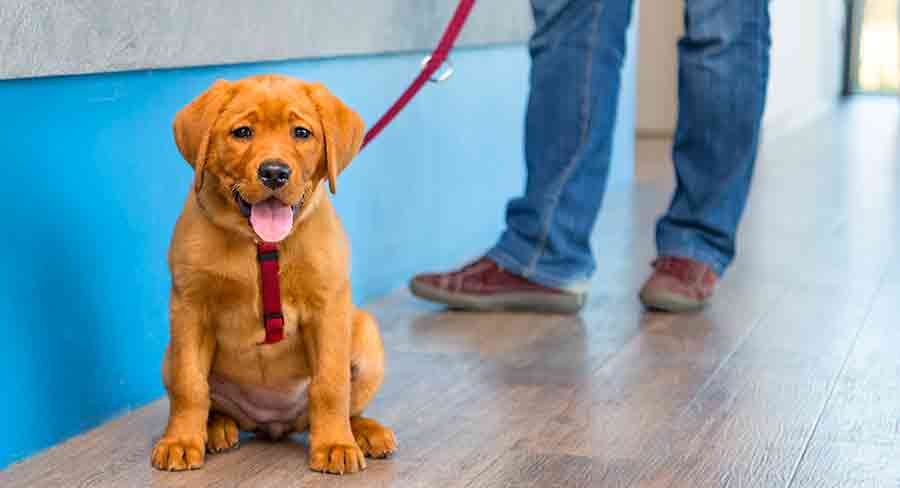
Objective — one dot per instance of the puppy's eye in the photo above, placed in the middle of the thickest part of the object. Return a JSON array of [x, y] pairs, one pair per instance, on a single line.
[[301, 133], [243, 132]]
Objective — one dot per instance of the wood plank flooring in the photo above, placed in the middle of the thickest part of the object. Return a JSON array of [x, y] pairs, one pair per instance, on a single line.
[[790, 379]]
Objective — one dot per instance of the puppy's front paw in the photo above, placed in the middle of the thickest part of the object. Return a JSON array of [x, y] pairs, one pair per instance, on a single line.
[[337, 458], [223, 433], [374, 439], [178, 454]]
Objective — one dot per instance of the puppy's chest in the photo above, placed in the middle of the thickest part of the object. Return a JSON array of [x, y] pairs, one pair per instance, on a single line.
[[238, 319], [243, 326]]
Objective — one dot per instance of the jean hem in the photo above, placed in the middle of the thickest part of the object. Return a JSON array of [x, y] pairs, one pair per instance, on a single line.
[[513, 265], [713, 260]]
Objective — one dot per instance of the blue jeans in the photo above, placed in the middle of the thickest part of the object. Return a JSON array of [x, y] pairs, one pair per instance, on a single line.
[[577, 52]]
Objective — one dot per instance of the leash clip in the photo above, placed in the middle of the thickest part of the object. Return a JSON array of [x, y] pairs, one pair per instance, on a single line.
[[442, 75]]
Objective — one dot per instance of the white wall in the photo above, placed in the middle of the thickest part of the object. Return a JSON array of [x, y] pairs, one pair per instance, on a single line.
[[807, 60], [806, 70], [63, 37]]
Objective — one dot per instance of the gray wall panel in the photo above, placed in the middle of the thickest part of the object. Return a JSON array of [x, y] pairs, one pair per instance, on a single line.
[[56, 37]]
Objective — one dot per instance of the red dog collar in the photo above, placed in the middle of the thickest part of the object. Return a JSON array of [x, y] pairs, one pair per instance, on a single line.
[[273, 319]]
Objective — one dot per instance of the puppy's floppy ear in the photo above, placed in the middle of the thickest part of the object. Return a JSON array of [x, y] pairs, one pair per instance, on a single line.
[[342, 131], [193, 124]]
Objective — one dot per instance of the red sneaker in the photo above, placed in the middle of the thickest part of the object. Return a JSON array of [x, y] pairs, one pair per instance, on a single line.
[[483, 285], [678, 285]]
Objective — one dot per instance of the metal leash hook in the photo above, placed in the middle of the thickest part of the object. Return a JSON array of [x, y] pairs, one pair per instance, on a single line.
[[442, 75], [448, 39]]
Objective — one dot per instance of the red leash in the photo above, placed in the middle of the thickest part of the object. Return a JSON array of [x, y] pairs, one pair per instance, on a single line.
[[434, 62], [267, 252]]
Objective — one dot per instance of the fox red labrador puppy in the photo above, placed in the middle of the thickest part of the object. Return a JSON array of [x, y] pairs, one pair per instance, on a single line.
[[262, 149]]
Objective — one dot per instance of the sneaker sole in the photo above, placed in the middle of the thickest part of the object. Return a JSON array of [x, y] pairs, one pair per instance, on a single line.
[[670, 302], [567, 303]]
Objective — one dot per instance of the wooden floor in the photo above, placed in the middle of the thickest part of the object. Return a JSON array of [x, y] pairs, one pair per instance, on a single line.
[[790, 379]]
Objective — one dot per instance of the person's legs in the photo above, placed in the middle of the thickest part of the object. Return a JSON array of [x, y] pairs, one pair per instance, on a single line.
[[722, 77], [723, 72], [577, 52], [543, 260]]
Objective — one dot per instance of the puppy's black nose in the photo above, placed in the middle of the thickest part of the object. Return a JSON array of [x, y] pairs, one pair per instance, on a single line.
[[274, 173]]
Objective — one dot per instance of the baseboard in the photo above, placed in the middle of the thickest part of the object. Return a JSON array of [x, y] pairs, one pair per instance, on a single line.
[[794, 118], [784, 123], [654, 133]]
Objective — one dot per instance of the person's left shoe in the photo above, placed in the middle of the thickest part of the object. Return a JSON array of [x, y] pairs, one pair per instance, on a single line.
[[484, 285], [678, 285]]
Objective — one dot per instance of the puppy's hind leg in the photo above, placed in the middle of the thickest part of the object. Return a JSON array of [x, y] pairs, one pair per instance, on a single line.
[[367, 374]]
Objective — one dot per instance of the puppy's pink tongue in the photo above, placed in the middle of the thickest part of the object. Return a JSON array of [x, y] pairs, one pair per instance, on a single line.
[[271, 220]]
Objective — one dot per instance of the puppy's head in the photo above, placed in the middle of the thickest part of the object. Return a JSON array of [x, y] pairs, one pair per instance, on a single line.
[[261, 146]]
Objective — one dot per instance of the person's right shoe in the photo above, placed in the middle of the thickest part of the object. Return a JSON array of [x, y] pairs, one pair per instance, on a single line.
[[483, 285], [678, 285]]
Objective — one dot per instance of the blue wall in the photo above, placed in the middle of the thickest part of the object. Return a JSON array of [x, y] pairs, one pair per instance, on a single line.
[[93, 185]]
